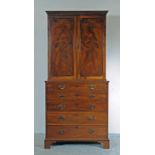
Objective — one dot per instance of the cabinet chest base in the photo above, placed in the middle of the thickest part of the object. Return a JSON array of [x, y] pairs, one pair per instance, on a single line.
[[77, 111], [105, 143]]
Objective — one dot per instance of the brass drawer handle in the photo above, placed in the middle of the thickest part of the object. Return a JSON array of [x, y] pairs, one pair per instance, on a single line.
[[61, 86], [91, 118], [92, 95], [61, 132], [91, 106], [62, 118], [61, 96], [91, 131], [92, 86], [60, 107]]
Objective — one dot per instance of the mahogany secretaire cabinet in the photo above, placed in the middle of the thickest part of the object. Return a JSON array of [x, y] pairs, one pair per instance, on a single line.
[[76, 89]]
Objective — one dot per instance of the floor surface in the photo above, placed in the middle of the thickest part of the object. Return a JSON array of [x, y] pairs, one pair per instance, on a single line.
[[77, 148]]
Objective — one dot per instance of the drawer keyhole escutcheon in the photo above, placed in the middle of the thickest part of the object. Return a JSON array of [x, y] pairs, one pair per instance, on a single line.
[[91, 118], [92, 86], [62, 118], [91, 106], [61, 86], [92, 95], [91, 131], [60, 107], [61, 132], [61, 96]]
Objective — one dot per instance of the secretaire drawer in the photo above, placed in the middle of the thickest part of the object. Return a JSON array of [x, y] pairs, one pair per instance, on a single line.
[[62, 96], [79, 86], [77, 118], [76, 132]]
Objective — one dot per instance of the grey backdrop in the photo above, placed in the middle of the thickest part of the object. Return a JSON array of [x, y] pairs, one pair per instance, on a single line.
[[40, 54]]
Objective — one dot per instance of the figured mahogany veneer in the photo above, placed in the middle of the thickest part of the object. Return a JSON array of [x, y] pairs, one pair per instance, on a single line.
[[76, 89]]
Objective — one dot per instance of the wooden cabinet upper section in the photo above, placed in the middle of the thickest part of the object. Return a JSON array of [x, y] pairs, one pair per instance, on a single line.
[[76, 45]]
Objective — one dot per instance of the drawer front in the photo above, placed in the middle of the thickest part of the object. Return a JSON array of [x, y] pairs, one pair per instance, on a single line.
[[79, 86], [76, 96], [76, 118], [77, 106], [76, 132]]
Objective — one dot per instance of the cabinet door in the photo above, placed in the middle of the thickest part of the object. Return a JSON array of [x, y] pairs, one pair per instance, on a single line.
[[91, 47], [61, 56]]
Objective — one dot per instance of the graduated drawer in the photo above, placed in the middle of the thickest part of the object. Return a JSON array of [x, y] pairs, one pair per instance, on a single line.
[[71, 132], [76, 118], [79, 86], [96, 105], [74, 95]]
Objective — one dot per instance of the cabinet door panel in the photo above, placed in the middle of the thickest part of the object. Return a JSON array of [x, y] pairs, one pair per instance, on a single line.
[[61, 47], [90, 47]]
